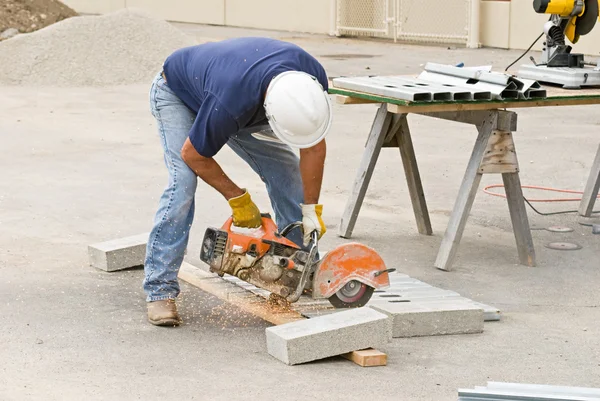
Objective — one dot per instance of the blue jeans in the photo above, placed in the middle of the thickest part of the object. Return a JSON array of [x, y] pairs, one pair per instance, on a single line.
[[275, 163]]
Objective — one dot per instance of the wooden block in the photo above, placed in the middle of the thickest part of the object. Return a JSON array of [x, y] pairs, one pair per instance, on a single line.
[[499, 156], [367, 357], [341, 99], [119, 254]]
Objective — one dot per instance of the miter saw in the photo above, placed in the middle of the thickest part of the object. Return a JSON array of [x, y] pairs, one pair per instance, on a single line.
[[569, 19]]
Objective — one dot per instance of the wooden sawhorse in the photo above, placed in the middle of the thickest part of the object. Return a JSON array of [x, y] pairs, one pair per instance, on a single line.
[[493, 153], [590, 193]]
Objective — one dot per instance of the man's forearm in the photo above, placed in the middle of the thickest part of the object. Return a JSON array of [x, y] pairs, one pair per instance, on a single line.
[[312, 164], [210, 172]]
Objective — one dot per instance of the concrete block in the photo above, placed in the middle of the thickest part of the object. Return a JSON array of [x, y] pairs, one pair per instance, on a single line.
[[119, 254], [330, 335], [415, 320], [490, 313]]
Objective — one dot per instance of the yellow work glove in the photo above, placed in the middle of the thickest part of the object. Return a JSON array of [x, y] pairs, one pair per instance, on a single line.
[[245, 213], [312, 221]]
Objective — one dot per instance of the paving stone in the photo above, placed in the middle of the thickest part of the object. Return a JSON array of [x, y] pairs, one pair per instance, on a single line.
[[418, 291], [407, 286], [415, 320], [414, 297], [490, 313], [330, 335], [119, 254]]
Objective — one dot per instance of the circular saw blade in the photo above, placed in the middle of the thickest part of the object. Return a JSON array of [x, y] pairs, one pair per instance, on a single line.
[[585, 23]]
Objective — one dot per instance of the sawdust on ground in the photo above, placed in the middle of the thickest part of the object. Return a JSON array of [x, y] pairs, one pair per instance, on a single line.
[[124, 47], [32, 15]]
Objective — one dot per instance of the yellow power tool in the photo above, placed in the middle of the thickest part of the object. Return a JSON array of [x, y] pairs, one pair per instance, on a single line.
[[569, 19]]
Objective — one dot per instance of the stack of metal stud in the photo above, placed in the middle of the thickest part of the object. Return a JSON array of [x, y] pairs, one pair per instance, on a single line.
[[439, 82]]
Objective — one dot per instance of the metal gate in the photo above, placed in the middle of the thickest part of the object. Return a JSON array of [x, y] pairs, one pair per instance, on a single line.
[[364, 17], [433, 21]]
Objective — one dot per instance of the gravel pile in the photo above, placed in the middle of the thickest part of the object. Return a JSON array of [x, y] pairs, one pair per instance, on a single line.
[[124, 47]]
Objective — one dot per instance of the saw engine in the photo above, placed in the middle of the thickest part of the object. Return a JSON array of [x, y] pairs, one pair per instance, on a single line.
[[263, 257]]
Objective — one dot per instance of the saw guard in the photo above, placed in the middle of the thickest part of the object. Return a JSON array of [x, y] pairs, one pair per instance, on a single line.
[[348, 262]]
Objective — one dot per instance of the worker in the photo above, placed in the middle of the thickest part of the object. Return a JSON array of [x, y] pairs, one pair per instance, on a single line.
[[263, 98]]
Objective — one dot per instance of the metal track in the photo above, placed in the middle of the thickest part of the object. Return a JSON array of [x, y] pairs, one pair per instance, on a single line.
[[504, 86], [527, 392], [441, 82], [369, 85], [412, 89], [498, 91], [456, 92]]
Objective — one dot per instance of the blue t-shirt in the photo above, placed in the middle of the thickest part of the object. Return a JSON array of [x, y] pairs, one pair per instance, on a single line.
[[225, 84]]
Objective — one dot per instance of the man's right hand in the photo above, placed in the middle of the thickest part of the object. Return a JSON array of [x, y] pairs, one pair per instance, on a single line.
[[245, 212]]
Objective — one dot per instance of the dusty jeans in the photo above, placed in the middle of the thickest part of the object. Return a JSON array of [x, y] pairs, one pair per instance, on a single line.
[[275, 163]]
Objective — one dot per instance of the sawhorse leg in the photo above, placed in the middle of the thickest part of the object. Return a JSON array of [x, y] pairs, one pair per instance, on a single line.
[[591, 189], [390, 130], [518, 216], [493, 153], [379, 130], [413, 178]]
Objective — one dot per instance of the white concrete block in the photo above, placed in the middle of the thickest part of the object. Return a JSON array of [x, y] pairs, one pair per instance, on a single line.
[[329, 335], [119, 254], [490, 313], [414, 320]]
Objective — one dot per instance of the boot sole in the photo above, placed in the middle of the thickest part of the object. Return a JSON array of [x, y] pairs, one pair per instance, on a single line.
[[165, 322]]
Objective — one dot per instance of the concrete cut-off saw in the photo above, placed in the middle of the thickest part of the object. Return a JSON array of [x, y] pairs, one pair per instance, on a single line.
[[264, 257]]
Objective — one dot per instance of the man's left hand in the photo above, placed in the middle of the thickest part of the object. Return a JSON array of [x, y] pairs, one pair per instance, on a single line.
[[312, 221]]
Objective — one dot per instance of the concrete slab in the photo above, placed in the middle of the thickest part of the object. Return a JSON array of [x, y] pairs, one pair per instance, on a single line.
[[119, 254], [327, 336], [413, 320]]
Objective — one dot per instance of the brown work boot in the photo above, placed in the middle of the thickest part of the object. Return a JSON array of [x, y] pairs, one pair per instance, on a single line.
[[163, 313]]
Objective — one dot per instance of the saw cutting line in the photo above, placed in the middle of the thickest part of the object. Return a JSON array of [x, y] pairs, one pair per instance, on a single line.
[[487, 191]]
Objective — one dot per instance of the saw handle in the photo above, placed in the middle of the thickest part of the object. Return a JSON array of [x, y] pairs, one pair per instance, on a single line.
[[286, 230], [267, 224]]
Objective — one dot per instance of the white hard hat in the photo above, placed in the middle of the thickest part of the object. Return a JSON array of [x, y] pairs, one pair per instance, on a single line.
[[298, 109]]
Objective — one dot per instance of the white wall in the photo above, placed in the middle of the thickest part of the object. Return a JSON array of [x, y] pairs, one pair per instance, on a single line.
[[494, 29], [312, 16], [95, 6], [287, 15], [504, 23], [200, 12]]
